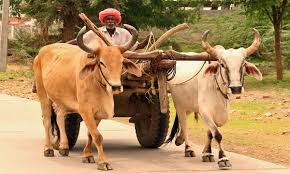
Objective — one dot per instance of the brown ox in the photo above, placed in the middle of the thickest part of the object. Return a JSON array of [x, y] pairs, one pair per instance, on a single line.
[[76, 84]]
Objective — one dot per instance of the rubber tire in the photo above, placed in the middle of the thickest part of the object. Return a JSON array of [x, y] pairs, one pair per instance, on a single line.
[[152, 131], [72, 127]]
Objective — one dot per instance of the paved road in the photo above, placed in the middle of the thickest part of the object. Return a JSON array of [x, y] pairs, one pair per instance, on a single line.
[[21, 149]]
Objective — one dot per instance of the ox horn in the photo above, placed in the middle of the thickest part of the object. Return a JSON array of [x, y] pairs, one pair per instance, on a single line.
[[255, 45], [133, 40], [207, 47], [80, 41]]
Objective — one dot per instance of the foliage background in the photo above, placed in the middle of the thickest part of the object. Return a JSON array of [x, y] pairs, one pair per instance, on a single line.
[[232, 29]]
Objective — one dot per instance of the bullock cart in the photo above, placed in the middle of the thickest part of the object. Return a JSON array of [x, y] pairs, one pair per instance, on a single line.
[[144, 99]]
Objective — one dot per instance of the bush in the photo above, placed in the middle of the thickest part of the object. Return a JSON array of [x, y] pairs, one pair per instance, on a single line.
[[24, 47], [174, 44]]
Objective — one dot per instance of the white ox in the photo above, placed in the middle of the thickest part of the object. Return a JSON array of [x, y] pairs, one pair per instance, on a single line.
[[65, 76], [202, 87]]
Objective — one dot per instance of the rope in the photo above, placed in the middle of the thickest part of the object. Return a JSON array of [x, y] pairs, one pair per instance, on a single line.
[[192, 76], [220, 90], [151, 41], [104, 77]]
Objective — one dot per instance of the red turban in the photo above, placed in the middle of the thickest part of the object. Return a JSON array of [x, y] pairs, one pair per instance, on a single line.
[[110, 12]]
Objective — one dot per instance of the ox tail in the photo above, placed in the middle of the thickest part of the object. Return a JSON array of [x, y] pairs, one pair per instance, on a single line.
[[174, 130]]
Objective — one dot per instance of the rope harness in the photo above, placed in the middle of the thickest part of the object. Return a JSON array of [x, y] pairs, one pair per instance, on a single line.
[[103, 77], [218, 87], [190, 77], [225, 95]]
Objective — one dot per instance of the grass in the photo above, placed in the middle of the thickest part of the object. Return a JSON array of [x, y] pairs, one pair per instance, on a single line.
[[256, 107], [269, 81], [15, 74]]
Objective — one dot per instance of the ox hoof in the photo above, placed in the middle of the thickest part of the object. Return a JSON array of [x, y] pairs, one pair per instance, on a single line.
[[179, 141], [88, 159], [48, 153], [63, 152], [104, 166], [224, 164], [190, 153], [208, 158]]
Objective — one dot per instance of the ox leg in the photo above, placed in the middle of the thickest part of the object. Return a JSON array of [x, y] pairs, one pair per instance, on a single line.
[[46, 106], [188, 149], [207, 155], [97, 138], [180, 138], [63, 146], [87, 153], [223, 162]]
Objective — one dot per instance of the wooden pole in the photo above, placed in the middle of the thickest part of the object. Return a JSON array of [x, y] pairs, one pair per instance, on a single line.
[[4, 35], [163, 94]]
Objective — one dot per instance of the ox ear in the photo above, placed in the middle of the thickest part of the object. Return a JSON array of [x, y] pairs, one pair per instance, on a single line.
[[88, 69], [132, 68], [212, 68], [253, 71]]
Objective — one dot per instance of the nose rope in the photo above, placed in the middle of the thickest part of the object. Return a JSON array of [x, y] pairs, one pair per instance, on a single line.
[[218, 86], [104, 76], [242, 78], [224, 82]]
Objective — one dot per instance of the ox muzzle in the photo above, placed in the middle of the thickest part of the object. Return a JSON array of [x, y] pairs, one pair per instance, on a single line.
[[116, 89], [236, 89]]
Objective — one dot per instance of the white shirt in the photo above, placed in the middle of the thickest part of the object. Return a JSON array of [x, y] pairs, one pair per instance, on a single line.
[[120, 37]]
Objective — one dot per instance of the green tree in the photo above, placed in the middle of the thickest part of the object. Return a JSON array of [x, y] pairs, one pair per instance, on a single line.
[[275, 11], [139, 13], [159, 13], [14, 7], [48, 11]]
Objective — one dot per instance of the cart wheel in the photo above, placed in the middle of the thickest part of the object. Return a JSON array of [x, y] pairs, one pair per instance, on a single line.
[[152, 129], [72, 127]]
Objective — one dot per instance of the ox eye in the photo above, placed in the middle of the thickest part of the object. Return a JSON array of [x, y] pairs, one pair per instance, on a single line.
[[103, 64], [222, 65]]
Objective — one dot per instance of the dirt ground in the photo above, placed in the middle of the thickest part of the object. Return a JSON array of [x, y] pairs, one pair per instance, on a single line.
[[275, 147], [20, 87]]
